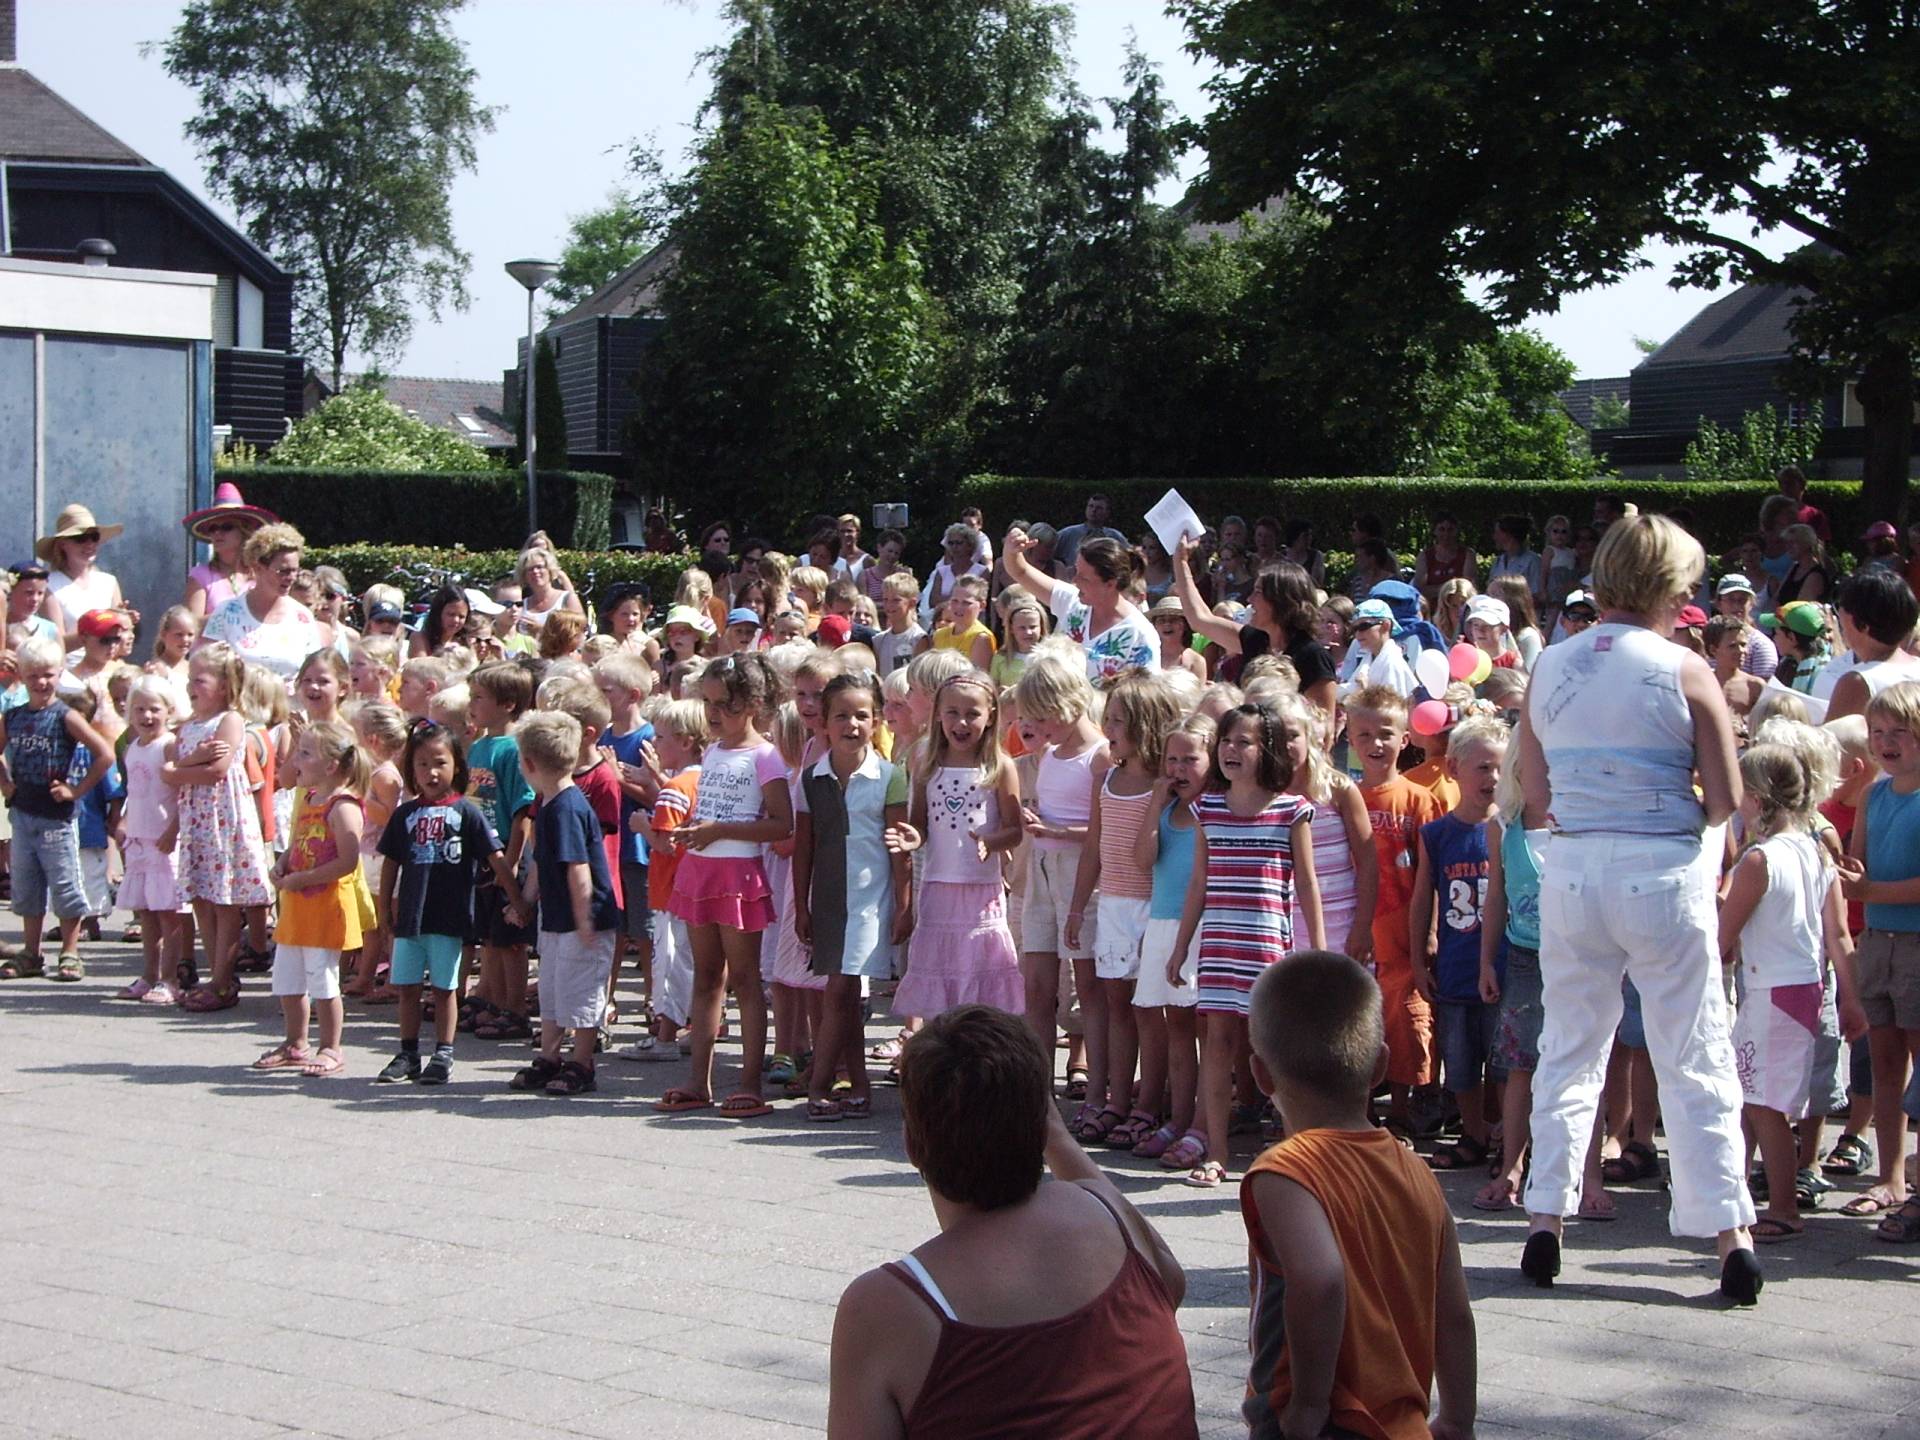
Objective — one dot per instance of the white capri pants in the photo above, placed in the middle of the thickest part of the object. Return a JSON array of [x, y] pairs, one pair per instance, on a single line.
[[1641, 906]]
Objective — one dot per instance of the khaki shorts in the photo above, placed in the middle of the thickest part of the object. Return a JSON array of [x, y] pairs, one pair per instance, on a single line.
[[1888, 966], [1043, 918]]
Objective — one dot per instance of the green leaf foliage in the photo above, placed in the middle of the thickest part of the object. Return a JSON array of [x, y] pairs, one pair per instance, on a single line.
[[1764, 444], [361, 429], [1498, 415], [341, 506]]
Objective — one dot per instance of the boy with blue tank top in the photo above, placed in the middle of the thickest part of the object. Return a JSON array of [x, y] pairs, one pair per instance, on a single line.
[[1449, 896]]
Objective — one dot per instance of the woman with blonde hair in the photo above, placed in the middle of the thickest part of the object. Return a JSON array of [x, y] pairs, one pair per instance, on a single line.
[[538, 571], [75, 581], [266, 626]]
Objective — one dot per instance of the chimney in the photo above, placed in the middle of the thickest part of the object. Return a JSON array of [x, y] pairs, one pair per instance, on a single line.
[[9, 33], [92, 252]]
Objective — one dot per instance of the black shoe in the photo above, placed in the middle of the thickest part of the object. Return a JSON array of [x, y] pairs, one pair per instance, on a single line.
[[404, 1066], [1540, 1261], [438, 1070], [1740, 1277]]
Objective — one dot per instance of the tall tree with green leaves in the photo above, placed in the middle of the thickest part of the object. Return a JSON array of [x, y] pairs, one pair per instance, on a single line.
[[603, 242], [335, 128], [1540, 146]]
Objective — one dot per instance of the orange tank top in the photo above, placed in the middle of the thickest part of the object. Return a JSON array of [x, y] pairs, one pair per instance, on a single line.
[[1390, 1220]]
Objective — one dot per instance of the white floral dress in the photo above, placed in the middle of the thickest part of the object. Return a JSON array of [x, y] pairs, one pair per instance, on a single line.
[[220, 857]]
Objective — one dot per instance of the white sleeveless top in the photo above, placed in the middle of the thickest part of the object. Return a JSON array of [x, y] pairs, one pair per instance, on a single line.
[[1618, 734], [1782, 942], [1878, 674]]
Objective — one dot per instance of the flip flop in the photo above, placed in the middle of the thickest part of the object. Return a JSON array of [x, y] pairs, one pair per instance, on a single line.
[[1504, 1199], [676, 1102], [857, 1107], [1598, 1207], [283, 1057], [1768, 1231], [1876, 1201], [326, 1063], [744, 1107], [825, 1112]]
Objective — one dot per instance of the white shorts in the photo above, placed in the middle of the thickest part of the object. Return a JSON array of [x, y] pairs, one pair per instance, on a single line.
[[1050, 879], [306, 970], [1774, 1037], [672, 967], [95, 880], [1116, 942], [1155, 948]]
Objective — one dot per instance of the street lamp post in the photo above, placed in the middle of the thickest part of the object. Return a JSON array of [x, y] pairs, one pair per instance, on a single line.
[[532, 274]]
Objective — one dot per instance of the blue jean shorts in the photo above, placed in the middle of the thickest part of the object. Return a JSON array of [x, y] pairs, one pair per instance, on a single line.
[[1464, 1032], [417, 957]]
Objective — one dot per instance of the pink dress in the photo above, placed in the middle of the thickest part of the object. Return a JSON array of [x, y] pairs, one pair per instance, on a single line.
[[1338, 880], [220, 858], [961, 952], [724, 882], [150, 883]]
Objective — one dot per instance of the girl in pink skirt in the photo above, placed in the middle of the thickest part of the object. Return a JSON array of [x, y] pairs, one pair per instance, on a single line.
[[965, 811], [720, 888], [152, 826]]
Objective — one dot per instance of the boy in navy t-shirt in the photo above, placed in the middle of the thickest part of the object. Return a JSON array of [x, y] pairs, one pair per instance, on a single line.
[[1449, 893]]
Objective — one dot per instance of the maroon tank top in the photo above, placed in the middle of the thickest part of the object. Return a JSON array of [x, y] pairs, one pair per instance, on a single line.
[[1116, 1366]]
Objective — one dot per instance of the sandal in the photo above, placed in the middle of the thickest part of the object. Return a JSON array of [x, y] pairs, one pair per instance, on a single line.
[[573, 1079], [502, 1025], [825, 1112], [1596, 1207], [1207, 1175], [744, 1107], [136, 991], [1188, 1151], [857, 1107], [1157, 1144], [1876, 1201], [676, 1102], [205, 999], [26, 967], [326, 1062], [1098, 1126], [249, 961], [1497, 1194], [1132, 1130], [1635, 1163], [781, 1070], [283, 1057], [1851, 1155], [1768, 1231], [1903, 1226], [70, 967], [1466, 1153], [1077, 1078], [536, 1075]]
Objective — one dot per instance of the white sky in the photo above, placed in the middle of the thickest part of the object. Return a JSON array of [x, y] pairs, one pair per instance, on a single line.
[[580, 77]]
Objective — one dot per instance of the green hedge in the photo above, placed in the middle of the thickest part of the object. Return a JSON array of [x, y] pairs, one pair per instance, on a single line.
[[435, 508], [591, 571], [1722, 513]]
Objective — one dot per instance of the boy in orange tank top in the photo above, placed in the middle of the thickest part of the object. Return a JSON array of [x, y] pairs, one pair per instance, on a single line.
[[1359, 1300]]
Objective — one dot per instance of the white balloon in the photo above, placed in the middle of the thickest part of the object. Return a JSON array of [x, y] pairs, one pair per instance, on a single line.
[[1431, 668]]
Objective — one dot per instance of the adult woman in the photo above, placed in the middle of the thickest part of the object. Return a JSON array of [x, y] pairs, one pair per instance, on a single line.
[[1372, 563], [536, 570], [267, 626], [1039, 1310], [1093, 610], [1266, 542], [75, 582], [1232, 577], [1300, 550], [331, 608], [884, 561], [1618, 723], [1158, 570], [225, 525], [1445, 558], [957, 546], [1777, 512], [1285, 621], [1808, 578], [445, 622], [717, 539]]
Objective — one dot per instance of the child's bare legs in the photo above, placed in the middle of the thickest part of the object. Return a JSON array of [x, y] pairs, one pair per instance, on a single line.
[[410, 1011], [1780, 1157], [1040, 975], [153, 925], [813, 1014], [785, 1003], [1150, 1029], [512, 995], [709, 1001], [220, 931], [1123, 1046], [1093, 1022], [331, 1017], [1223, 1040], [1516, 1107], [742, 951], [257, 929], [1889, 1047], [293, 1009], [839, 1042], [1183, 1064]]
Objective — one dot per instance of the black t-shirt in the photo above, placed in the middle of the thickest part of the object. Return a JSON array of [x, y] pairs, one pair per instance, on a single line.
[[567, 832], [1309, 656], [441, 850]]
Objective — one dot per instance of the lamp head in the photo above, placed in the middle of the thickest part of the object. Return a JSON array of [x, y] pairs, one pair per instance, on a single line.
[[532, 273]]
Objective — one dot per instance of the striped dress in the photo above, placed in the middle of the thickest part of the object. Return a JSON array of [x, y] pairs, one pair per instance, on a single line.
[[1248, 922], [1339, 881]]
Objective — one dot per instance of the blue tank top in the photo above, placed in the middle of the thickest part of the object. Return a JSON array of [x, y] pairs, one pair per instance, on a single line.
[[1457, 861], [1172, 869], [1893, 851], [1520, 880], [39, 752]]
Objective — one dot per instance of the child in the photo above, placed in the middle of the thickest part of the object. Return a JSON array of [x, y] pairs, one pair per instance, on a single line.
[[1026, 625], [579, 917], [1374, 658], [382, 732], [963, 631], [800, 733], [322, 683], [1140, 710], [900, 608], [448, 708], [1487, 625], [1056, 701], [96, 817], [1452, 864], [1450, 607], [1783, 920], [1431, 771], [852, 894], [149, 832], [39, 738], [319, 909], [626, 680], [1559, 564], [371, 665], [1359, 1300], [1512, 557], [497, 696], [965, 813], [1169, 1056], [720, 888], [263, 701], [421, 678], [432, 853], [1346, 867], [221, 858], [178, 630], [1851, 1153], [680, 735], [1252, 855], [1887, 851]]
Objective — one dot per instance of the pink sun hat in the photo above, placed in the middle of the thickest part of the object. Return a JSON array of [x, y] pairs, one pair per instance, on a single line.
[[227, 505]]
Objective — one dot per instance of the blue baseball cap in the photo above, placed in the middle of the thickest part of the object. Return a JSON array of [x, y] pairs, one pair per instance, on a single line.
[[741, 615]]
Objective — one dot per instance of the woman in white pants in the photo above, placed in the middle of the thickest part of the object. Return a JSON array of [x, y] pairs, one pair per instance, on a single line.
[[1619, 721]]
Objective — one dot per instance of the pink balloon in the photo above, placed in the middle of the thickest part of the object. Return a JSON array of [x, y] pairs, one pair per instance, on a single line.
[[1461, 659], [1430, 717]]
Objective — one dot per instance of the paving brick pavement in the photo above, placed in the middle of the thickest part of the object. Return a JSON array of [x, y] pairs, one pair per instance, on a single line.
[[200, 1252]]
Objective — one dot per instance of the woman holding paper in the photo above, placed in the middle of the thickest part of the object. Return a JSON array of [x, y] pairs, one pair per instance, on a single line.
[[1284, 619]]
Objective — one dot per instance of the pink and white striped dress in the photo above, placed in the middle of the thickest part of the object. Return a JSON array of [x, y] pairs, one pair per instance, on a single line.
[[1337, 879], [1248, 922]]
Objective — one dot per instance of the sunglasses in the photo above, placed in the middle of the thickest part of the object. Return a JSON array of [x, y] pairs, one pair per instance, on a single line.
[[86, 537], [220, 527]]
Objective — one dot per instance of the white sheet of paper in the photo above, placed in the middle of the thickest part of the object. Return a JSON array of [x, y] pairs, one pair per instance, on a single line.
[[1171, 517], [1770, 694]]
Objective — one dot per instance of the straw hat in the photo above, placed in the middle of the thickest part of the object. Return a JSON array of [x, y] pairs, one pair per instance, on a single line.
[[72, 521], [227, 505]]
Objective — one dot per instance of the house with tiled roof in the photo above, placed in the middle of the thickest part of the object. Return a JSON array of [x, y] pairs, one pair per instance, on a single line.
[[471, 409]]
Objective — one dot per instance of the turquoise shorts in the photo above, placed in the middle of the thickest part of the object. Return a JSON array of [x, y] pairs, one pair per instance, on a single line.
[[415, 957]]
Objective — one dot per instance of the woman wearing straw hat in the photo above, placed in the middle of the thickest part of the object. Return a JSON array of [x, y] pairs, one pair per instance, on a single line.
[[75, 581], [225, 525]]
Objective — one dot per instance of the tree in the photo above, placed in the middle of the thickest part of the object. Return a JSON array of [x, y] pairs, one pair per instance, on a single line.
[[1765, 444], [549, 413], [800, 341], [1539, 147], [1496, 414], [360, 429], [335, 128], [602, 243]]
